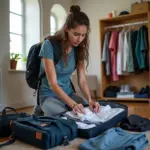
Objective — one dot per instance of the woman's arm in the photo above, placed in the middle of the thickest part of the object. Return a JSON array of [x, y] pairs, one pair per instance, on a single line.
[[94, 106], [82, 82]]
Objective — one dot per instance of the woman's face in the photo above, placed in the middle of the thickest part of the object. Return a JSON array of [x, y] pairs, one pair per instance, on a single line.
[[76, 35]]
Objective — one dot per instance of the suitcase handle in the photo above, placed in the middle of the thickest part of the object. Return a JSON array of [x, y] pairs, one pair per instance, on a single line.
[[63, 122], [45, 118], [50, 120], [4, 110]]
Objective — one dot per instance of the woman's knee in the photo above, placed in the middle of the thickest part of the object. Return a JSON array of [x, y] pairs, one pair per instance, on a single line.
[[79, 99], [52, 106]]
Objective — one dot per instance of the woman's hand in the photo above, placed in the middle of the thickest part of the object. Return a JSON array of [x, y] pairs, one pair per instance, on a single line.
[[78, 108], [94, 106]]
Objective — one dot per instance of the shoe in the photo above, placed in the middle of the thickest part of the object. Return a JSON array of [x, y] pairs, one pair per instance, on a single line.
[[122, 89], [141, 91], [127, 88], [38, 111], [147, 90]]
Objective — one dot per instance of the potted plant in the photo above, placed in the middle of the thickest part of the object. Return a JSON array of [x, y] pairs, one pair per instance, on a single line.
[[23, 62], [24, 59], [13, 60]]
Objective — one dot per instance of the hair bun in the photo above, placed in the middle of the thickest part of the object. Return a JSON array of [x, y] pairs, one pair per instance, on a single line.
[[74, 8]]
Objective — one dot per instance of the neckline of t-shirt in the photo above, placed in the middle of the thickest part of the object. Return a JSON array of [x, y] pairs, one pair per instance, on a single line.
[[71, 51]]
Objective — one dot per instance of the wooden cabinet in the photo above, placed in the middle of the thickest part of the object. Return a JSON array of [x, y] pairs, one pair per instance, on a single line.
[[137, 81], [140, 7]]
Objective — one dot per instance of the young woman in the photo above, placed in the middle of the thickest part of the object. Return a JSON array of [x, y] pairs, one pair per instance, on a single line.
[[56, 91]]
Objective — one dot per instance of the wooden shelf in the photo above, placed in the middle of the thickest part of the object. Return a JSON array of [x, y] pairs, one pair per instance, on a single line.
[[137, 81], [126, 17], [129, 99]]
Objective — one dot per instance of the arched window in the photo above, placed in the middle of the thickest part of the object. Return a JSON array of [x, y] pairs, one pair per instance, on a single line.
[[21, 31], [16, 29], [57, 17], [53, 24]]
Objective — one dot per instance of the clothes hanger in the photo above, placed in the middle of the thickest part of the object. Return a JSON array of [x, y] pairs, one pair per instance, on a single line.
[[107, 30], [133, 27], [125, 28], [130, 28]]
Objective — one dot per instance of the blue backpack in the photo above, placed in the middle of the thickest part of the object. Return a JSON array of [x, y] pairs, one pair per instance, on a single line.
[[32, 75]]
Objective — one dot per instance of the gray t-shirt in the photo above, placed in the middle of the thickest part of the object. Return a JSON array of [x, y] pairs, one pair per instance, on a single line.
[[106, 53]]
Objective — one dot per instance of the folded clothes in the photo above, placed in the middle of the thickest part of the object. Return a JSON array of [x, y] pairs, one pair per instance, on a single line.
[[135, 123], [105, 113], [125, 95], [116, 139], [141, 95], [82, 125]]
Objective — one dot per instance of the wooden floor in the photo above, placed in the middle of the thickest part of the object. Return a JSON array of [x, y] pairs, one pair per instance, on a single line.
[[139, 108]]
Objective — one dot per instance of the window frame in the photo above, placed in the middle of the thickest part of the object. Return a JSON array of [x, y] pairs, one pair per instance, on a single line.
[[56, 21], [22, 15]]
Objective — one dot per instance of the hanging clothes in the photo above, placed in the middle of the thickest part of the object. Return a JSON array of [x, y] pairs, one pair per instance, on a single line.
[[147, 48], [141, 47], [113, 47], [106, 53], [125, 51], [133, 44], [130, 64], [120, 53]]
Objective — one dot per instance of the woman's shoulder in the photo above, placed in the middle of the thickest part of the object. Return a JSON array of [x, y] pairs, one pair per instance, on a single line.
[[47, 43], [51, 42]]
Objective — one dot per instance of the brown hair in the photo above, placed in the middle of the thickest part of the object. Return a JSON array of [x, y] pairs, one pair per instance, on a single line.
[[76, 17]]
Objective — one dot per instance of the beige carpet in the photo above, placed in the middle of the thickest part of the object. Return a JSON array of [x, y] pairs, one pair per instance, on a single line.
[[18, 145]]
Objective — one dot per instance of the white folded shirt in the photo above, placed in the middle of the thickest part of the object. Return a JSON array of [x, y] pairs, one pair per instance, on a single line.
[[105, 113], [82, 125]]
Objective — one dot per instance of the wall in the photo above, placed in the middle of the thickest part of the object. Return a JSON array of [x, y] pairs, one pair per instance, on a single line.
[[46, 11], [32, 23], [98, 9], [60, 13], [16, 92]]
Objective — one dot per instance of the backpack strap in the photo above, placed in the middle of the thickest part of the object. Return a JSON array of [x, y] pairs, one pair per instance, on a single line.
[[11, 140], [56, 52]]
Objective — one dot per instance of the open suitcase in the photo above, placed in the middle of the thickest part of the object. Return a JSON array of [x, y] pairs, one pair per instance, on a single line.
[[98, 129]]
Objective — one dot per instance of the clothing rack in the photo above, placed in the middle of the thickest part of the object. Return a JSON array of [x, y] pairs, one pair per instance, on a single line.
[[131, 20], [128, 24]]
